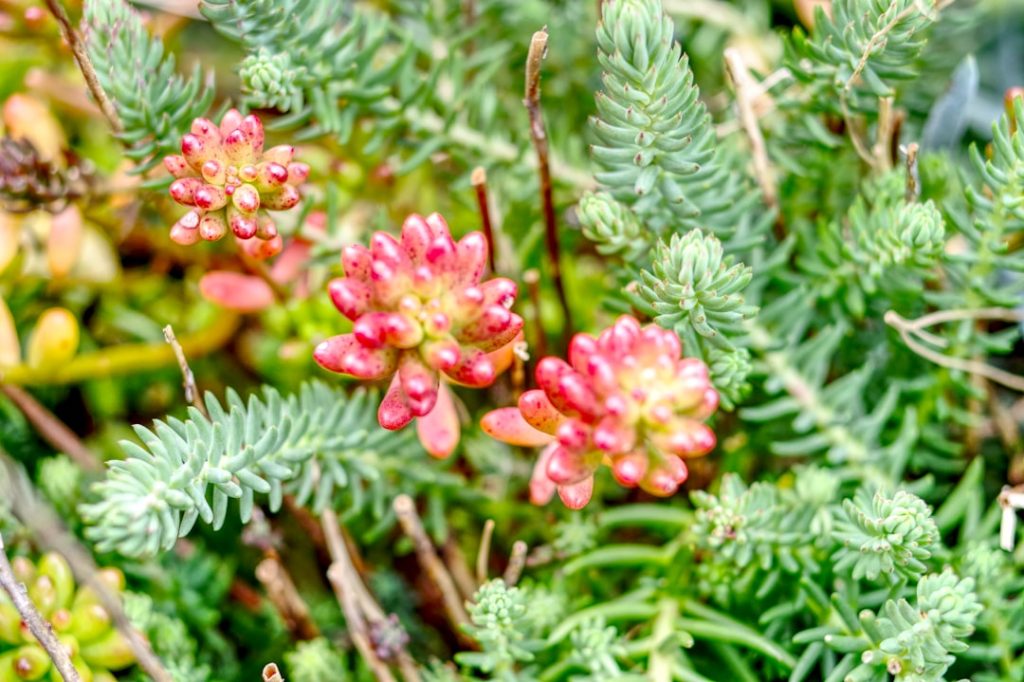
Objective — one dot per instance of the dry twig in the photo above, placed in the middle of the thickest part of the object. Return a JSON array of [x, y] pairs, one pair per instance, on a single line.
[[479, 180], [483, 555], [410, 521], [746, 95], [516, 562], [78, 49], [52, 429], [42, 630], [539, 136]]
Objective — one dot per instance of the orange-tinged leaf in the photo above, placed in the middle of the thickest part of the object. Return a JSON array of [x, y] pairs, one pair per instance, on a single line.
[[65, 241]]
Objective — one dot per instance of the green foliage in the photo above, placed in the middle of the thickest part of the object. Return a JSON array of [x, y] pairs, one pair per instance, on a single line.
[[655, 143], [696, 290], [612, 226], [502, 625], [315, 661], [309, 444], [858, 49], [155, 103], [883, 535]]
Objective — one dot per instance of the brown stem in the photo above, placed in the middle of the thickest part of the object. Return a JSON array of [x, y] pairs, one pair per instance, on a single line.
[[47, 527], [455, 560], [746, 95], [405, 509], [85, 65], [539, 136], [42, 630], [52, 429], [286, 598], [516, 562], [343, 578], [479, 180], [912, 189], [188, 379]]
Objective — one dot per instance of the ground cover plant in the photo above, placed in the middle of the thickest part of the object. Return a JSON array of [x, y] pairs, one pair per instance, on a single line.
[[511, 340]]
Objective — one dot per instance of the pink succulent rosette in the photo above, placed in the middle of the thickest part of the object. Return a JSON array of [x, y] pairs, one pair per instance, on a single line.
[[627, 399], [229, 182], [423, 317]]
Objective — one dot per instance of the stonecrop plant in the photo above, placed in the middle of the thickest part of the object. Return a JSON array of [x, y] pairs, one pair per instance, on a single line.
[[738, 281]]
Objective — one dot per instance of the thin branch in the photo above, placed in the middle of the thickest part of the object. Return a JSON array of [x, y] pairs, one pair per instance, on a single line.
[[516, 562], [343, 578], [455, 560], [78, 49], [42, 630], [51, 429], [907, 329], [49, 531], [910, 151], [539, 136], [188, 379], [885, 129], [286, 598], [745, 98], [479, 180], [405, 509], [483, 555]]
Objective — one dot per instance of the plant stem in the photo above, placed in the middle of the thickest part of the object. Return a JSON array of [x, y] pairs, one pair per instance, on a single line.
[[343, 578], [539, 136], [85, 65], [125, 359], [405, 509], [516, 562], [483, 555], [53, 430], [479, 180], [42, 630], [188, 379], [745, 97]]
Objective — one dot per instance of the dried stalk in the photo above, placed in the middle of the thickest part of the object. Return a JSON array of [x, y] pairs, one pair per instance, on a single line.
[[911, 330], [188, 379], [271, 673], [42, 630], [52, 429], [479, 180], [746, 95], [455, 560], [539, 136], [410, 521], [343, 578], [483, 555], [81, 55], [516, 562], [286, 598], [910, 151]]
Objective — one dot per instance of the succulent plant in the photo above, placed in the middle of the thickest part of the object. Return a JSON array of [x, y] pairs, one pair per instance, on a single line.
[[626, 398], [81, 624], [230, 182], [420, 311]]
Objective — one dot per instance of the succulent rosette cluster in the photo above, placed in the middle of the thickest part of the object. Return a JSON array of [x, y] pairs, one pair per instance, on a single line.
[[627, 399], [423, 317], [229, 182]]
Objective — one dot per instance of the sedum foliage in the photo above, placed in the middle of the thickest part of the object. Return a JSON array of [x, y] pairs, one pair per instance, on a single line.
[[155, 103], [310, 445]]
